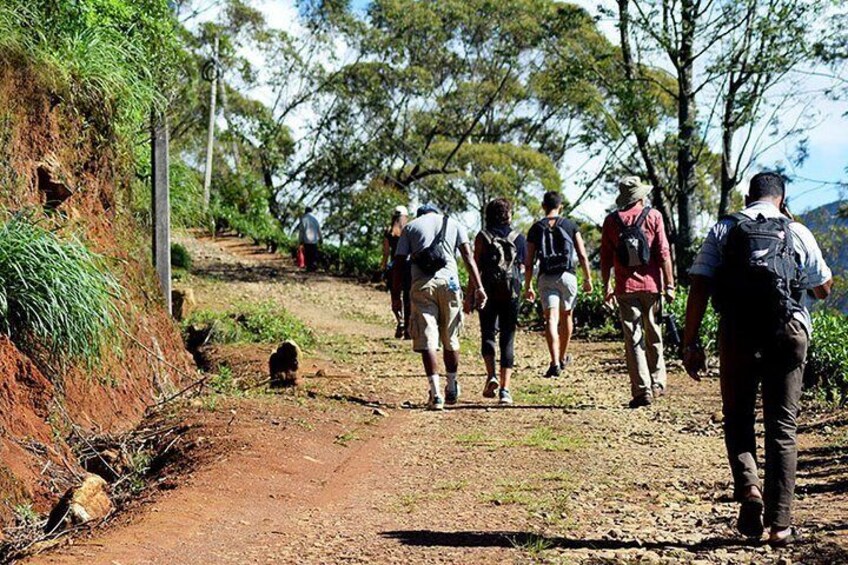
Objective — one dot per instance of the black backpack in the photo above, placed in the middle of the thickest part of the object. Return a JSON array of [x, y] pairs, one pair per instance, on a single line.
[[556, 251], [759, 281], [633, 248], [433, 258], [498, 268]]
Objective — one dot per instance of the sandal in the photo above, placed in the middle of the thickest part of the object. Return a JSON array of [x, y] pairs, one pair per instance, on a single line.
[[750, 521], [785, 541]]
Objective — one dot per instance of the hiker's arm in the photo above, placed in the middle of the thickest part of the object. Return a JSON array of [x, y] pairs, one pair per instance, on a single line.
[[696, 307], [607, 259], [474, 274], [584, 262], [823, 290], [478, 253], [529, 262], [386, 251], [668, 277]]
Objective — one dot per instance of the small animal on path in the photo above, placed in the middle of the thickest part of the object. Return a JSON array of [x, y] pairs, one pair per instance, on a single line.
[[283, 365]]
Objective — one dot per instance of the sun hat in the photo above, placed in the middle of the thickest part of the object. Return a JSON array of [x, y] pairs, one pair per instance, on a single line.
[[401, 211], [631, 190]]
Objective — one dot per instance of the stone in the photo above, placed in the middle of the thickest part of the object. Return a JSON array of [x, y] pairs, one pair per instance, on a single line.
[[717, 417], [89, 501], [378, 412], [183, 303]]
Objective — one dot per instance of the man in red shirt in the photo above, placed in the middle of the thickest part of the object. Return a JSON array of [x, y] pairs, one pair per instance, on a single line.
[[635, 247]]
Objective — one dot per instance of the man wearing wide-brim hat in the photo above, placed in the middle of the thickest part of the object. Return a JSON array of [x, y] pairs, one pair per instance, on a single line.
[[635, 248]]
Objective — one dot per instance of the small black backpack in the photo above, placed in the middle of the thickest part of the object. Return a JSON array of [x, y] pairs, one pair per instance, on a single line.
[[633, 248], [498, 268], [759, 280], [556, 252], [433, 258]]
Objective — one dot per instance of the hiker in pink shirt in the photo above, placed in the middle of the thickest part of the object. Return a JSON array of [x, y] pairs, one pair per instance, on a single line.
[[634, 246]]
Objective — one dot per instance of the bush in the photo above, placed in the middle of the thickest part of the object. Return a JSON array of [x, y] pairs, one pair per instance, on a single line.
[[56, 296], [267, 322], [827, 362], [351, 261], [180, 257]]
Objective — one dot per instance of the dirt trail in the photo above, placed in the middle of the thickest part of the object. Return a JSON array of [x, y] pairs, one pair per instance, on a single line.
[[568, 475]]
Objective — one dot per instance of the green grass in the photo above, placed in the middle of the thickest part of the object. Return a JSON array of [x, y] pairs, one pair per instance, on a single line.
[[180, 257], [543, 394], [56, 296], [547, 439], [266, 322], [345, 438]]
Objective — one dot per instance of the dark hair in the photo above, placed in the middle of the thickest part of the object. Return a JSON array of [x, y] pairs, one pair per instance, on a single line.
[[551, 201], [308, 210], [498, 212], [766, 185]]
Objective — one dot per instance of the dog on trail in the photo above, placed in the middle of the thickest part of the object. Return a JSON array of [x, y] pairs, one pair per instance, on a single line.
[[283, 365]]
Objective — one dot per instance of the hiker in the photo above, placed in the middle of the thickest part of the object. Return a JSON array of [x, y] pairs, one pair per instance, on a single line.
[[309, 235], [557, 244], [635, 248], [499, 251], [760, 268], [400, 300], [430, 242]]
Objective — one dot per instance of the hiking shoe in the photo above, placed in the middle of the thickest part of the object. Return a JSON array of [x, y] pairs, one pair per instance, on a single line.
[[399, 331], [641, 400], [783, 539], [554, 372], [452, 393], [491, 387], [658, 391], [750, 521], [504, 397], [435, 402], [565, 362]]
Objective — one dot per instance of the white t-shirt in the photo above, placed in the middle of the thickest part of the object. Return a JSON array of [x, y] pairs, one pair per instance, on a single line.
[[420, 233], [807, 249]]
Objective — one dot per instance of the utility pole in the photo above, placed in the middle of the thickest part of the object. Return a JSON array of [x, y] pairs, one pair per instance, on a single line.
[[161, 211], [211, 73]]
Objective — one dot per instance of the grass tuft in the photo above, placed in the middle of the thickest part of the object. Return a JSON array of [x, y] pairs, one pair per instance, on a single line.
[[56, 296]]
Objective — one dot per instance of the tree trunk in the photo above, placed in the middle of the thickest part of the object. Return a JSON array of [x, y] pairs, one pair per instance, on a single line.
[[728, 129], [639, 131], [686, 139]]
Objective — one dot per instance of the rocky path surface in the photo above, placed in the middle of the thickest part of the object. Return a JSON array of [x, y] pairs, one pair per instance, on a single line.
[[567, 475]]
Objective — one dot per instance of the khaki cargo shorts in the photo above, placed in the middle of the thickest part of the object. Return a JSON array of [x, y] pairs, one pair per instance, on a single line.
[[436, 319]]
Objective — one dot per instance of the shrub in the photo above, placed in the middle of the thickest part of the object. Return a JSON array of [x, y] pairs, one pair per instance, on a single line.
[[827, 362], [56, 296], [267, 322], [180, 257]]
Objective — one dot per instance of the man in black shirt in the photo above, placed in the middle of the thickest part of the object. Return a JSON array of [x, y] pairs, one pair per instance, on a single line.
[[557, 244]]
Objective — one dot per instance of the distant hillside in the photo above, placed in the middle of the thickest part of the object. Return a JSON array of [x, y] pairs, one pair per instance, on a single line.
[[831, 231]]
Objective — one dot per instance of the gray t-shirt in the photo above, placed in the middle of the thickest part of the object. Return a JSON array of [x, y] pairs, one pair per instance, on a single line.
[[420, 233], [807, 249]]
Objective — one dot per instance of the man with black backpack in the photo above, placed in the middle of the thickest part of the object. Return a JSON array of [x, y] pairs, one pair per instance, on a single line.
[[557, 244], [431, 242], [634, 246], [499, 251], [761, 268]]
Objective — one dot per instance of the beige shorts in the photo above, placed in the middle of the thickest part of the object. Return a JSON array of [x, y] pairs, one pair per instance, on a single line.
[[436, 319]]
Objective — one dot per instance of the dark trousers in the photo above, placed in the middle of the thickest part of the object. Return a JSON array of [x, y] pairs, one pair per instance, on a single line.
[[777, 364], [310, 255], [403, 293], [498, 321]]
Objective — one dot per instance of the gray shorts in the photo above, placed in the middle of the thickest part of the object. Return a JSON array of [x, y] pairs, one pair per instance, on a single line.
[[558, 291]]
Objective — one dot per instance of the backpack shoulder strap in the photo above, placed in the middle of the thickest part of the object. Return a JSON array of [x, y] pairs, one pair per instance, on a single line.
[[444, 231], [617, 217], [513, 235], [642, 217]]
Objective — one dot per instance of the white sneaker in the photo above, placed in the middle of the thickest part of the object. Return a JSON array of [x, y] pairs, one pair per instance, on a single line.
[[435, 402]]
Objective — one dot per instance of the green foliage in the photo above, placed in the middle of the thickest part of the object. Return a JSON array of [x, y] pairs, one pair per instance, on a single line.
[[351, 261], [180, 257], [108, 59], [56, 296], [266, 322], [827, 362], [709, 326]]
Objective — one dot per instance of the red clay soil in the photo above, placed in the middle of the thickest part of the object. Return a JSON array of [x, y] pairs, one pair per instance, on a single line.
[[567, 475], [48, 148]]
